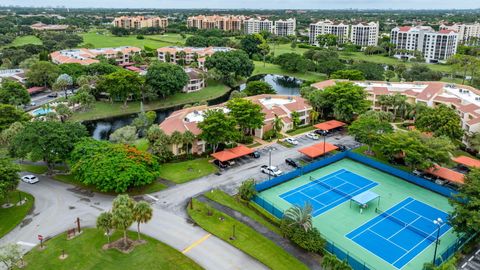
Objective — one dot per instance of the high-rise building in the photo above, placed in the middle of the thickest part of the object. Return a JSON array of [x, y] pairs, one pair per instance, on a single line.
[[257, 25], [139, 22], [225, 23], [328, 27], [364, 34], [435, 46], [467, 33], [285, 27]]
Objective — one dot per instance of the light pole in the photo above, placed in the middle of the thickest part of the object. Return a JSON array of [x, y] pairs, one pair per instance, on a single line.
[[439, 223], [269, 161], [324, 134]]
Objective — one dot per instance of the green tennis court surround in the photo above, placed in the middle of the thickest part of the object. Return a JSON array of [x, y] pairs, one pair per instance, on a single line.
[[335, 223]]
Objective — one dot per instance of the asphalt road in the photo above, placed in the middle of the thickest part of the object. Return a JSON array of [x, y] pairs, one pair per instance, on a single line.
[[57, 205]]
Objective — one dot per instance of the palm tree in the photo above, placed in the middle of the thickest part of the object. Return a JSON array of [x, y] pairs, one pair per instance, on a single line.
[[142, 213], [385, 102], [188, 139], [175, 139], [122, 219], [300, 216], [399, 104], [314, 116], [277, 125], [473, 140], [104, 222]]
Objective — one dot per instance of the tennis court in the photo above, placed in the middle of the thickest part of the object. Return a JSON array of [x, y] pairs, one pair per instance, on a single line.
[[329, 191], [405, 230]]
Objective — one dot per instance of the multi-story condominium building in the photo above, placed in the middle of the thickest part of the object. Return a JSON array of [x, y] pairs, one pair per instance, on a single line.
[[285, 28], [435, 46], [257, 25], [464, 99], [467, 33], [364, 34], [196, 80], [139, 22], [272, 106], [328, 27], [49, 27], [84, 56], [225, 23], [172, 54]]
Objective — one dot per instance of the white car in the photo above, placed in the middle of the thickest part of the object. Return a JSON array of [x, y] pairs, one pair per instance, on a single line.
[[291, 141], [272, 170], [31, 179], [313, 136]]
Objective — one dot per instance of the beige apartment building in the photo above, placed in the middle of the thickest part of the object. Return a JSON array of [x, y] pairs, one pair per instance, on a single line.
[[84, 56], [172, 54], [225, 23], [139, 22], [466, 32], [361, 34]]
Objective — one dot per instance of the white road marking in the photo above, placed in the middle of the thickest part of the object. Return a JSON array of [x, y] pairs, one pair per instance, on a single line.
[[26, 244], [151, 197]]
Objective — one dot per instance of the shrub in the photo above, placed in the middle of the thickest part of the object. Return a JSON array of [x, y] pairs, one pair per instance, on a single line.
[[310, 240], [247, 190], [140, 37]]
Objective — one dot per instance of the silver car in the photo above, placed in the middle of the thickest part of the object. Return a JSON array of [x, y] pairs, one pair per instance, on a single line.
[[31, 179]]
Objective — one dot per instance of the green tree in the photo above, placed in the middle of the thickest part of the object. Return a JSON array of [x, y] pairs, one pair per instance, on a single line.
[[348, 74], [254, 88], [230, 65], [327, 40], [7, 135], [188, 139], [462, 63], [368, 128], [300, 216], [465, 217], [10, 255], [42, 73], [104, 223], [13, 93], [441, 120], [112, 167], [74, 70], [121, 85], [166, 79], [421, 72], [371, 71], [63, 112], [125, 135], [48, 141], [248, 115], [277, 125], [83, 97], [264, 49], [122, 219], [295, 119], [98, 69], [400, 70], [250, 44], [9, 115], [294, 62], [247, 190], [389, 74], [63, 83], [142, 213], [159, 143], [8, 177], [218, 127]]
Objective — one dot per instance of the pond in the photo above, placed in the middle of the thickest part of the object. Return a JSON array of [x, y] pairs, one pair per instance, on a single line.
[[283, 85]]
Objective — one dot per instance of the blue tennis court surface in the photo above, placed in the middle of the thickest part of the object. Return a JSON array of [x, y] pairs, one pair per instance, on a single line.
[[400, 233], [329, 191]]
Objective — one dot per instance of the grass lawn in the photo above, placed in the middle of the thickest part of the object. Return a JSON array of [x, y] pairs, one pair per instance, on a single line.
[[153, 41], [240, 206], [151, 188], [12, 216], [106, 109], [181, 172], [300, 130], [24, 40], [247, 239], [141, 144], [275, 69], [85, 252], [285, 48]]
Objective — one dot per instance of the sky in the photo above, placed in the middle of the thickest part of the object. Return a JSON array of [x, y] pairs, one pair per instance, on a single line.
[[253, 4]]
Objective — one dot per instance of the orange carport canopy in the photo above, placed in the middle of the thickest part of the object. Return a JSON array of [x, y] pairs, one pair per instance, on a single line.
[[447, 174], [467, 161], [229, 154], [329, 125], [317, 149]]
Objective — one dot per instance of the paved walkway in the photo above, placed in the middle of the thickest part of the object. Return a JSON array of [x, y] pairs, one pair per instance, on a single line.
[[309, 259]]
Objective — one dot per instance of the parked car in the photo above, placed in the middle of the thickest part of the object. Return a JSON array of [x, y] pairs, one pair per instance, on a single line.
[[272, 170], [33, 104], [430, 177], [321, 132], [313, 136], [440, 182], [31, 179], [417, 173], [53, 95], [291, 141], [255, 154], [292, 162], [341, 147], [230, 162], [220, 164]]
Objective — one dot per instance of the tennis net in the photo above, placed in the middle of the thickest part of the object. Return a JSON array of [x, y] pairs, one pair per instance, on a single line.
[[334, 189], [406, 225]]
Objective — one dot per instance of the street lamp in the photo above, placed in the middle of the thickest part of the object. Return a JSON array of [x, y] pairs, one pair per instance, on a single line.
[[324, 134], [269, 161], [439, 223]]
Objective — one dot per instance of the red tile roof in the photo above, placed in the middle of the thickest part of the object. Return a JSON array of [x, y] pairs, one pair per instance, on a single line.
[[229, 154], [318, 149], [467, 161], [380, 90], [329, 125], [447, 174]]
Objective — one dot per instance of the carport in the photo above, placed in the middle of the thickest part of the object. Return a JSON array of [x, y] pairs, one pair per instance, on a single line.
[[329, 125], [467, 161], [318, 150], [232, 153], [447, 174]]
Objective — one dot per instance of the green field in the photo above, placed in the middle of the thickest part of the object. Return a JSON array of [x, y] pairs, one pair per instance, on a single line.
[[12, 216], [107, 109], [246, 238], [335, 223], [276, 69], [24, 40], [85, 252], [181, 172], [108, 40]]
